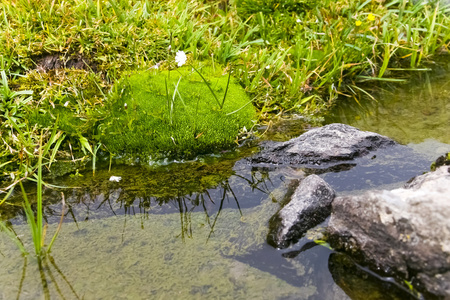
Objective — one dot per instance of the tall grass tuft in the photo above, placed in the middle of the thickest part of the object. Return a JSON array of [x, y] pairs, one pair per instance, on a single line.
[[35, 219]]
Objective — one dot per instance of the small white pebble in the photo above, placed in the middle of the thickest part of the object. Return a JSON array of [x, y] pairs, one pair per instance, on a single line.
[[115, 178]]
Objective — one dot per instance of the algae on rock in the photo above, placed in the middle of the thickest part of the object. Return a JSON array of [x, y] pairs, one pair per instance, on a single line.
[[174, 114]]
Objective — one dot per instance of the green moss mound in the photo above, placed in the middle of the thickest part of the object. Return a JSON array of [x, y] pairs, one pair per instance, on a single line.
[[148, 115]]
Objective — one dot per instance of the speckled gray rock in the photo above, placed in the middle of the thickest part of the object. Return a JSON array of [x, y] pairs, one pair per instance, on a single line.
[[435, 176], [327, 145], [405, 231], [310, 205]]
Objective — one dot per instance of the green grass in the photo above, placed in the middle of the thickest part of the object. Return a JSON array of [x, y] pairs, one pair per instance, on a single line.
[[34, 216], [289, 56]]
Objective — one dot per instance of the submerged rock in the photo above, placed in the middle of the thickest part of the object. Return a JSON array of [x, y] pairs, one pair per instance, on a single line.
[[324, 146], [360, 284], [310, 205], [405, 231]]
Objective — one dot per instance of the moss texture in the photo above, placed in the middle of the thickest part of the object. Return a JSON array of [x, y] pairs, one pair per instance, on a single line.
[[248, 7], [148, 115]]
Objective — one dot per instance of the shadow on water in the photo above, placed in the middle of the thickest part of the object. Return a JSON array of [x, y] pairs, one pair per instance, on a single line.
[[308, 263]]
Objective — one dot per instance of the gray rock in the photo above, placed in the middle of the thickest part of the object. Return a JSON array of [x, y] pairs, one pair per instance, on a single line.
[[438, 176], [310, 205], [405, 231], [327, 145]]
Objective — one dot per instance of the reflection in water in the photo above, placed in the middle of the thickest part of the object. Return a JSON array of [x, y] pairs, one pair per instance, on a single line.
[[54, 281], [101, 198], [22, 278], [226, 192], [411, 114], [89, 205], [51, 283]]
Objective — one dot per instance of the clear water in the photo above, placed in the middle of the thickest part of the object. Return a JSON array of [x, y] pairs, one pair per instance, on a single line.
[[197, 230], [413, 113]]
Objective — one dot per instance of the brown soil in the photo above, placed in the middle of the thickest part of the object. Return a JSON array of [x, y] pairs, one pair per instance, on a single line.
[[59, 61]]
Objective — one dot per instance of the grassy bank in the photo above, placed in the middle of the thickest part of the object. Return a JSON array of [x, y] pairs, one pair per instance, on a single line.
[[289, 55]]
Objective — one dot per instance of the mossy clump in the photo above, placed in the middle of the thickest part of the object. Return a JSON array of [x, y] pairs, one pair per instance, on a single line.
[[174, 114], [443, 160]]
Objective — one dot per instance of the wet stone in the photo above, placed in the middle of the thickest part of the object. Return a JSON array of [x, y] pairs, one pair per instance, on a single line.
[[321, 147], [404, 232], [309, 205]]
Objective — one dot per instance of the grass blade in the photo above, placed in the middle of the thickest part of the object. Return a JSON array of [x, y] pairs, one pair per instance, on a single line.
[[49, 248], [226, 90], [210, 89], [10, 233]]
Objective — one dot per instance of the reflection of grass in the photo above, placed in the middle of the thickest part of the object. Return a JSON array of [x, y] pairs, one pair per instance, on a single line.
[[225, 195], [411, 113], [53, 279], [45, 271], [188, 188], [105, 200], [186, 205]]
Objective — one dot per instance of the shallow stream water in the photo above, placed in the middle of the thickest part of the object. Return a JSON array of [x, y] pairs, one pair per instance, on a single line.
[[197, 230]]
